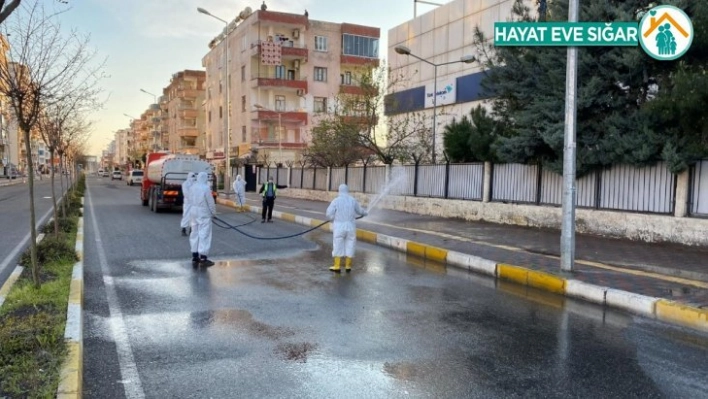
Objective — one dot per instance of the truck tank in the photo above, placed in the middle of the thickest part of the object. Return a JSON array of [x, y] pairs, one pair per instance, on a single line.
[[176, 168]]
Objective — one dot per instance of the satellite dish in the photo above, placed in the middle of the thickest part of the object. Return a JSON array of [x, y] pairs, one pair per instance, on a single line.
[[245, 13]]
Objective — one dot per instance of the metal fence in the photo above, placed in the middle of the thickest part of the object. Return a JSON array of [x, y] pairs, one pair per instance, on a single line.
[[698, 194], [650, 189]]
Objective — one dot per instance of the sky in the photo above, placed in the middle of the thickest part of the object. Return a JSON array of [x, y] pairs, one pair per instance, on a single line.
[[146, 41]]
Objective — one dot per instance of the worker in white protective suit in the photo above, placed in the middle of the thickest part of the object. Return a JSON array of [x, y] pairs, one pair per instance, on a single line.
[[203, 209], [343, 212], [240, 190], [186, 185]]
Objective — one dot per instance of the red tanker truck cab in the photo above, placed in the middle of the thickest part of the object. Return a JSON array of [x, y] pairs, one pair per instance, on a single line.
[[163, 176]]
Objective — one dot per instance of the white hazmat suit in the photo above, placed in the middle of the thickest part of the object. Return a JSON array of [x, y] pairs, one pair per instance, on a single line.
[[343, 211], [240, 190], [203, 208], [186, 185]]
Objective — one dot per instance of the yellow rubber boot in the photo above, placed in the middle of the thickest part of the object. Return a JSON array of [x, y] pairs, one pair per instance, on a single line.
[[348, 264], [335, 268]]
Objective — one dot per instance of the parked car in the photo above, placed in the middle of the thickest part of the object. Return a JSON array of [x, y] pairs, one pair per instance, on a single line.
[[117, 174], [135, 177], [100, 173]]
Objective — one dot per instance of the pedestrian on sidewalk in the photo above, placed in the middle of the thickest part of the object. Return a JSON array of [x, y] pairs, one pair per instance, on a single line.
[[343, 212], [186, 186], [202, 211], [269, 190], [240, 190]]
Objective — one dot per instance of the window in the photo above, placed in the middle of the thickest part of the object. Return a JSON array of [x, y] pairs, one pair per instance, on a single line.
[[243, 103], [320, 74], [219, 87], [209, 116], [320, 104], [347, 78], [280, 72], [243, 134], [280, 103], [243, 73], [320, 43], [360, 46], [221, 112]]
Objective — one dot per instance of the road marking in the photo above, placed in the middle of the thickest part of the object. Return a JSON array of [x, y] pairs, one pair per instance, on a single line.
[[657, 276], [128, 368], [23, 243]]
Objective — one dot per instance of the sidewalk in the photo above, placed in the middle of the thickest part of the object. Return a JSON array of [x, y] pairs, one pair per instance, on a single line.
[[8, 182], [678, 274]]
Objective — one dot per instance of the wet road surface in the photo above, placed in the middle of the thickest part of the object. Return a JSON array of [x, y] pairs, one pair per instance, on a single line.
[[269, 321]]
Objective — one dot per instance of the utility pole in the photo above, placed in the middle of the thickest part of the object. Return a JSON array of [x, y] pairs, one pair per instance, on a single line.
[[571, 95]]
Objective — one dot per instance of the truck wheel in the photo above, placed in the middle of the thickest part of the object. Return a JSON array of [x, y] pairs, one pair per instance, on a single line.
[[151, 199], [156, 209]]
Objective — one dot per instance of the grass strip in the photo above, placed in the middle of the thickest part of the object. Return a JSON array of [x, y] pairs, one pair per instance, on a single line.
[[32, 319]]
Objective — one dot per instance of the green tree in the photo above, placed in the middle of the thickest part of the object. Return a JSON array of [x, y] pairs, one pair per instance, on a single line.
[[456, 137], [471, 139], [615, 85]]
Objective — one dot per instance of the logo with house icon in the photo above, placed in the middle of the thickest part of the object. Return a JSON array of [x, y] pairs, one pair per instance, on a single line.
[[666, 32]]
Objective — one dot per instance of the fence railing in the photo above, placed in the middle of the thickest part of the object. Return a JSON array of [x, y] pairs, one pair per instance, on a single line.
[[650, 189], [698, 193]]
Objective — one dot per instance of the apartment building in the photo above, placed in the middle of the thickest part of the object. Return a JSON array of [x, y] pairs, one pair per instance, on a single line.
[[124, 140], [183, 118], [283, 70], [443, 35]]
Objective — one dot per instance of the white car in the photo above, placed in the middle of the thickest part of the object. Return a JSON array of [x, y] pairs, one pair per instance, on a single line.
[[117, 174], [135, 177]]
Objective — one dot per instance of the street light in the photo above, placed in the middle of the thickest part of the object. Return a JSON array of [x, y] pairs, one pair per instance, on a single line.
[[154, 97], [227, 151], [403, 50], [280, 135]]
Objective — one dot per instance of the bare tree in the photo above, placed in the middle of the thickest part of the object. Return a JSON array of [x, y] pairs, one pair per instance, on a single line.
[[6, 8], [357, 108], [43, 68]]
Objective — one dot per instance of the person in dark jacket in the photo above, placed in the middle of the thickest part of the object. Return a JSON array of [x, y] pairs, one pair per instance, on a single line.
[[269, 190]]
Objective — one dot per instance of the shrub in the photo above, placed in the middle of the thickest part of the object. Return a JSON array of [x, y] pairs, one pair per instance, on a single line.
[[52, 248]]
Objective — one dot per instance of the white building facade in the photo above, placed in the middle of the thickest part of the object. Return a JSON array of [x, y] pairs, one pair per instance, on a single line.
[[443, 35]]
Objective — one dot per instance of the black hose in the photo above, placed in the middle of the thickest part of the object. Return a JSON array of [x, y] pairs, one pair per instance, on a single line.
[[231, 227]]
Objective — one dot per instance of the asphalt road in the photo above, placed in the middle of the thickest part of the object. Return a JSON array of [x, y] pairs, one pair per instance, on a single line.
[[15, 217], [270, 321]]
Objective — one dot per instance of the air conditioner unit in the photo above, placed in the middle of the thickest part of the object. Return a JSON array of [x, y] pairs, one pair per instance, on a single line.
[[296, 64], [300, 92], [296, 34]]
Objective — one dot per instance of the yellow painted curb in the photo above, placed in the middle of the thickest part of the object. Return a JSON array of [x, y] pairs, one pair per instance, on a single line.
[[686, 315], [435, 253], [76, 292], [365, 235], [71, 373], [426, 251], [288, 216], [413, 248], [5, 289], [513, 273], [546, 282]]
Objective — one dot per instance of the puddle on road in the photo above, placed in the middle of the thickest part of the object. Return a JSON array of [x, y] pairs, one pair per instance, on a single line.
[[241, 320], [295, 351]]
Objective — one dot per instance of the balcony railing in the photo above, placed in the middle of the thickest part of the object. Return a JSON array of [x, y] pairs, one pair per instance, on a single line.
[[277, 80], [289, 49]]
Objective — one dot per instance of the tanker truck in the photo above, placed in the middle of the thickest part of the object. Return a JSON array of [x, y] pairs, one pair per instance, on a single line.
[[163, 176]]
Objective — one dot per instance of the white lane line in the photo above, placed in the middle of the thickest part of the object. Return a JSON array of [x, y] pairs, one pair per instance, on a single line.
[[128, 368], [23, 243]]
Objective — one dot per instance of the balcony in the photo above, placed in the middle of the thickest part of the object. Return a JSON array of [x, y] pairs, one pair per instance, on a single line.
[[286, 117], [271, 80], [188, 113], [156, 119], [188, 131], [289, 50], [353, 90], [189, 93], [356, 60], [156, 133]]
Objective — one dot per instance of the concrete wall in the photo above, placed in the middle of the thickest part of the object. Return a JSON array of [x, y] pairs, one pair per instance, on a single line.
[[634, 226]]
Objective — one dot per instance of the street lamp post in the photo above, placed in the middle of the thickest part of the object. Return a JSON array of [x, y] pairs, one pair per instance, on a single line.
[[154, 97], [280, 128], [403, 50], [227, 151]]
